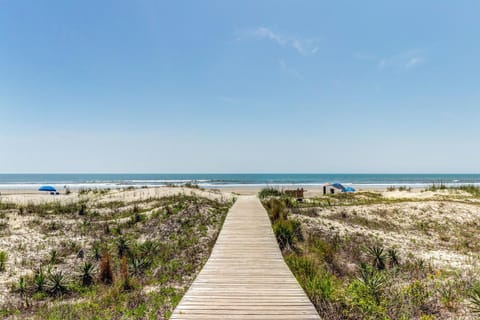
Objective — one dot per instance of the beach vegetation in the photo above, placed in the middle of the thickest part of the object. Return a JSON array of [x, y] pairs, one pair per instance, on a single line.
[[270, 192], [134, 257], [3, 261], [474, 297], [349, 267], [87, 277], [57, 283]]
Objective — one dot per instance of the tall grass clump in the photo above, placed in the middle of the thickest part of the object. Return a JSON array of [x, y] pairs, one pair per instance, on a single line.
[[472, 189], [269, 192], [276, 210]]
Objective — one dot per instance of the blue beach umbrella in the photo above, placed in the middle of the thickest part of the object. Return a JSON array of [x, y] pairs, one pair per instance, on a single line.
[[47, 188]]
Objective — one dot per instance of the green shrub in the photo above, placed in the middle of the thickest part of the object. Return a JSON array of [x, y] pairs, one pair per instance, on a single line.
[[373, 281], [320, 288], [361, 304]]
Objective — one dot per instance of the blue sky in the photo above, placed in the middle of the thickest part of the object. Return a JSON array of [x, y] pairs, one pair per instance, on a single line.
[[239, 86]]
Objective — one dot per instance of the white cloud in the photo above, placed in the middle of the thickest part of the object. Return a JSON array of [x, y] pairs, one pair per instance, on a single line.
[[403, 60], [413, 62], [302, 46]]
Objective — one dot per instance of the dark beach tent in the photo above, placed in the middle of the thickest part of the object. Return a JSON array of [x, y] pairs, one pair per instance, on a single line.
[[47, 188], [338, 185]]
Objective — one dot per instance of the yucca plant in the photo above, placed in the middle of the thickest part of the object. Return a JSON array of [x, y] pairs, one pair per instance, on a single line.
[[475, 298], [96, 252], [148, 248], [22, 289], [373, 280], [393, 257], [123, 246], [3, 261], [377, 255], [53, 256], [22, 286], [139, 264], [57, 283], [39, 279], [87, 274]]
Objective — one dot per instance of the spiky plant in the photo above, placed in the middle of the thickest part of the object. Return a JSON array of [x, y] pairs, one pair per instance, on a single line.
[[377, 255], [139, 264], [148, 248], [373, 280], [96, 252], [22, 289], [22, 286], [87, 274], [53, 256], [3, 261], [57, 283], [475, 298], [123, 246], [393, 258], [39, 279]]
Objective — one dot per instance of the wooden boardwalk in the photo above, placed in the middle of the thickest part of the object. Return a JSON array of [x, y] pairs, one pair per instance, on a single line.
[[245, 276]]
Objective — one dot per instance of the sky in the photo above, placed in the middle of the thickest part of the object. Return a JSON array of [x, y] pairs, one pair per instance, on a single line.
[[239, 86]]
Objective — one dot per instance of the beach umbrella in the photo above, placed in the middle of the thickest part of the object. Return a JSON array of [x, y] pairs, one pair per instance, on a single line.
[[47, 188]]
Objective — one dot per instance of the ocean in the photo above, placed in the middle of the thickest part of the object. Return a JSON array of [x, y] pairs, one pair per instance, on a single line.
[[75, 181]]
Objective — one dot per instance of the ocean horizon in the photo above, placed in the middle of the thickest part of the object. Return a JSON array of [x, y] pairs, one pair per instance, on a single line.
[[216, 180]]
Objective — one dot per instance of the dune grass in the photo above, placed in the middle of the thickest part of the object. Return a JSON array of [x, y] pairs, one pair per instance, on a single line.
[[135, 260], [356, 276]]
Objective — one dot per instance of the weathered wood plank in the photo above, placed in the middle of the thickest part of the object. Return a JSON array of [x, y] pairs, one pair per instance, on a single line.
[[245, 276]]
